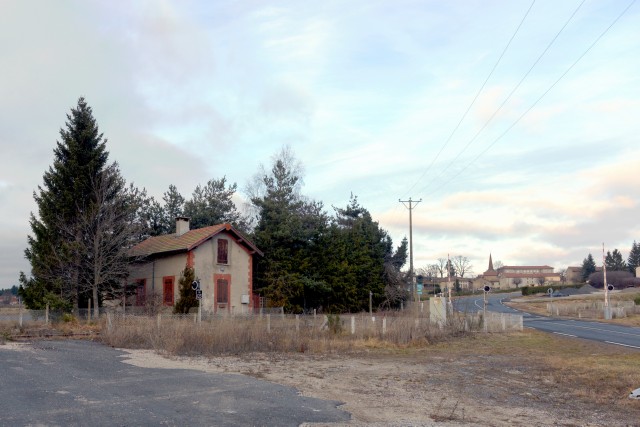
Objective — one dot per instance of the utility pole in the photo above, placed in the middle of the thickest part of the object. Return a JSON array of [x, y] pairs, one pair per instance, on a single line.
[[607, 314], [410, 206]]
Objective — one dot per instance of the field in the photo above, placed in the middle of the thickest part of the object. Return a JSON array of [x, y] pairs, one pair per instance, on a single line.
[[521, 379], [415, 374]]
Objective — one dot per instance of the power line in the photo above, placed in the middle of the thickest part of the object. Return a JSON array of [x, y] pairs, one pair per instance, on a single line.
[[541, 96], [475, 98], [507, 98]]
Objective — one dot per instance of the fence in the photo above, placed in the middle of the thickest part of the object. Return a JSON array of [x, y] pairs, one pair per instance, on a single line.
[[593, 309], [407, 323]]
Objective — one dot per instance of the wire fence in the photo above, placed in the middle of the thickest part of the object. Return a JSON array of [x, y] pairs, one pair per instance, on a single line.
[[360, 325]]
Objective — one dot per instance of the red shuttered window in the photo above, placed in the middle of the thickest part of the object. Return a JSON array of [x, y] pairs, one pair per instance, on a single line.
[[167, 290], [223, 251]]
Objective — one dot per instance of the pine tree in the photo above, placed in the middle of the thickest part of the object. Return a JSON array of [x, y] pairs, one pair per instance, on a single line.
[[213, 204], [633, 261], [187, 298], [588, 267], [614, 261], [67, 193], [288, 231], [173, 208]]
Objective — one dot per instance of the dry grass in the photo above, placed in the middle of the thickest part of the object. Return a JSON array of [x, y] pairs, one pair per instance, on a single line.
[[235, 335], [595, 372], [589, 306]]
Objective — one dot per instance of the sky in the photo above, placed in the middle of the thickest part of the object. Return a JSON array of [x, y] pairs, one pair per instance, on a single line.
[[516, 123]]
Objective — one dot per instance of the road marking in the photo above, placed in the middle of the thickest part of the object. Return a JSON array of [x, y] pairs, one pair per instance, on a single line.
[[566, 335], [624, 345], [598, 329]]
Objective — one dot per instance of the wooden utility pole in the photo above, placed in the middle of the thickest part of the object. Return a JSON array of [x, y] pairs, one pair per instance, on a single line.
[[410, 206]]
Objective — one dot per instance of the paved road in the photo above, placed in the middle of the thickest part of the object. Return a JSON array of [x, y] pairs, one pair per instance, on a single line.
[[80, 383], [624, 336]]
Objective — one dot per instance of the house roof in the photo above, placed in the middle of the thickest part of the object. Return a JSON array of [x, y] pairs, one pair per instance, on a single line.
[[172, 243], [529, 275], [524, 267]]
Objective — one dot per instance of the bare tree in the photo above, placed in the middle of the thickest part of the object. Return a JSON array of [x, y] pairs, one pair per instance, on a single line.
[[498, 264], [517, 281], [541, 280], [441, 266], [462, 265], [563, 275], [110, 228]]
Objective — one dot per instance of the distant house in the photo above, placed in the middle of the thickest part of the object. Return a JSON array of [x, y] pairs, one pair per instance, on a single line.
[[221, 256], [510, 276], [574, 274]]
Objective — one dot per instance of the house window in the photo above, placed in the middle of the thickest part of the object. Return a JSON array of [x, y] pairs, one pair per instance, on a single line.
[[141, 291], [167, 290], [223, 251], [222, 291]]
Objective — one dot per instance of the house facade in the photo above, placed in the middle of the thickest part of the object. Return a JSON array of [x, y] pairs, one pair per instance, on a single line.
[[221, 256]]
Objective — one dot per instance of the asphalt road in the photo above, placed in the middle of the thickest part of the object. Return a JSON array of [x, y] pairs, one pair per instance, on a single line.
[[625, 336], [80, 383]]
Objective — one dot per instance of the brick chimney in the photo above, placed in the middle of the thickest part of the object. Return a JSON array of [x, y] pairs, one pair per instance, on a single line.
[[182, 225]]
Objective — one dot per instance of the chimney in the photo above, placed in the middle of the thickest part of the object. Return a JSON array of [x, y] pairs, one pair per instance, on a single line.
[[182, 225]]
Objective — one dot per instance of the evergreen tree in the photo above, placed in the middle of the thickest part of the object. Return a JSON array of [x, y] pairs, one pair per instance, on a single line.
[[614, 261], [213, 204], [588, 267], [634, 257], [360, 260], [67, 193], [187, 298], [173, 208], [288, 231]]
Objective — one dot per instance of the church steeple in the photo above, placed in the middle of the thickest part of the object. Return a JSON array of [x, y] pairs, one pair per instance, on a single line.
[[490, 263]]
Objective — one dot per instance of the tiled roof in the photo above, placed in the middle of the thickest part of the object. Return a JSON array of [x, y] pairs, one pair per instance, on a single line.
[[524, 267], [187, 241], [530, 275]]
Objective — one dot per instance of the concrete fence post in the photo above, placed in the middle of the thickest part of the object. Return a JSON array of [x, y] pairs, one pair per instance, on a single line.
[[297, 323], [89, 311], [268, 323], [46, 314], [20, 317], [353, 325], [158, 320], [384, 326], [109, 324]]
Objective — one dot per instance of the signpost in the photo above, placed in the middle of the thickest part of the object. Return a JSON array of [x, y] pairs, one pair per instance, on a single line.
[[484, 307], [195, 285]]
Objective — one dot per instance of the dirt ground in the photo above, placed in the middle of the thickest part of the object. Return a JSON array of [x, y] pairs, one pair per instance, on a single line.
[[444, 385]]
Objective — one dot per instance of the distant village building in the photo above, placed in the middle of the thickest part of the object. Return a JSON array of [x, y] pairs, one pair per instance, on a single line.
[[574, 274], [511, 276]]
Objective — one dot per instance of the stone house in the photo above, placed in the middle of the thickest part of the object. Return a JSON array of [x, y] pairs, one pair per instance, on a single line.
[[222, 258]]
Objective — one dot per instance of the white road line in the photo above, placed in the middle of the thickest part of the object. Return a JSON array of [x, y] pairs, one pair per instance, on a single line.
[[598, 329], [624, 345], [566, 335]]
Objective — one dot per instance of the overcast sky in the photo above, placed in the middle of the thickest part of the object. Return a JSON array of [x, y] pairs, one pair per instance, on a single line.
[[372, 96]]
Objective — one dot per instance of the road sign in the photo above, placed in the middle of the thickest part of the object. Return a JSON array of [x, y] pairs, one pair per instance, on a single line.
[[550, 291], [487, 288], [198, 294], [195, 285], [609, 287]]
